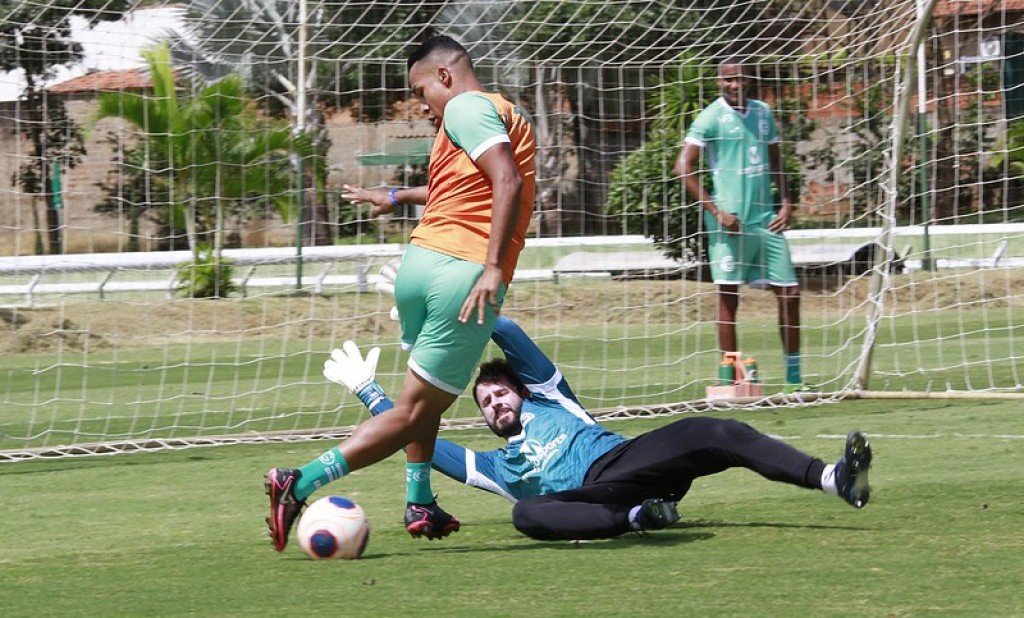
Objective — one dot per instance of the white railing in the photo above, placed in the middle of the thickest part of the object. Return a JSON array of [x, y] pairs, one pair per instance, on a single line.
[[112, 264], [811, 249]]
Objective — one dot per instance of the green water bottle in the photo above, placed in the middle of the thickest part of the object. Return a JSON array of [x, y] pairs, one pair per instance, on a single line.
[[750, 367], [726, 373]]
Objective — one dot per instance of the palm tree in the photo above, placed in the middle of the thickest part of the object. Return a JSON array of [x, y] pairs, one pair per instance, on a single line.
[[217, 152], [260, 41]]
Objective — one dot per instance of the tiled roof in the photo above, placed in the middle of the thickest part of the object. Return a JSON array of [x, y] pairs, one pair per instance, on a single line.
[[104, 81], [949, 8]]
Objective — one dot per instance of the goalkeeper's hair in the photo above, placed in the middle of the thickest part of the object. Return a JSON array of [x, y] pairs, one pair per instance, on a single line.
[[498, 370], [439, 44]]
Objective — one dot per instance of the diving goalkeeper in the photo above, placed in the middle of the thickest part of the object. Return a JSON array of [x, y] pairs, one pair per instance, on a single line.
[[571, 478]]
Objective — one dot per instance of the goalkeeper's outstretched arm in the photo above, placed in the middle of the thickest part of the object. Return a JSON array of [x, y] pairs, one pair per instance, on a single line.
[[454, 461], [348, 368], [522, 354]]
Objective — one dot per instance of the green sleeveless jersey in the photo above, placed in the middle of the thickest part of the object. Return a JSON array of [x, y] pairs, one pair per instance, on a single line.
[[736, 145]]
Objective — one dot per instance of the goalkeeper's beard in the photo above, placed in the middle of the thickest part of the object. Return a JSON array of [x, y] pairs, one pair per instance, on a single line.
[[506, 430]]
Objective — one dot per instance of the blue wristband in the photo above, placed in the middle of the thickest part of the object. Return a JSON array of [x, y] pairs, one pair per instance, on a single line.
[[392, 196]]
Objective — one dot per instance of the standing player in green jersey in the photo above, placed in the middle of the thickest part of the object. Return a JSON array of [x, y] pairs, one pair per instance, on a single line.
[[746, 244]]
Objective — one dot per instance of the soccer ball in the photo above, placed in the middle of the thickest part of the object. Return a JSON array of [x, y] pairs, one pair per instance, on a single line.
[[334, 528]]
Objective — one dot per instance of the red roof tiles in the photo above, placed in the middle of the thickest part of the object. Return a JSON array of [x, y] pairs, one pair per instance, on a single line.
[[104, 81]]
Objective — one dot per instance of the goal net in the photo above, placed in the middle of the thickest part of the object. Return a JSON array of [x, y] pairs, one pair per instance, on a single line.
[[206, 143]]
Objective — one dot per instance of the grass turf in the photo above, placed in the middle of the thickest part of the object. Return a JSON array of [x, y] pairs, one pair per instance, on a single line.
[[182, 533]]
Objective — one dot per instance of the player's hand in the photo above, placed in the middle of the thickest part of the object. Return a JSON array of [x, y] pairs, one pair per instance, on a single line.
[[729, 221], [377, 198], [485, 292], [348, 367], [782, 219]]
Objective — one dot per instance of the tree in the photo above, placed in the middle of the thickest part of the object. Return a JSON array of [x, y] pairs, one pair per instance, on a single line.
[[214, 151], [36, 37], [260, 42], [644, 190], [548, 54], [133, 191]]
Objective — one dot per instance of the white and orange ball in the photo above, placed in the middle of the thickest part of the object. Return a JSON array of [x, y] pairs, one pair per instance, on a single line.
[[334, 528]]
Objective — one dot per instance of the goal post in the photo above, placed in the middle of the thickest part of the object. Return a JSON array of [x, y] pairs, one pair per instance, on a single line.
[[910, 76], [900, 125]]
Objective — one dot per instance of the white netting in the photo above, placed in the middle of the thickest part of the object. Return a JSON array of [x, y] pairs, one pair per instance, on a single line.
[[101, 350]]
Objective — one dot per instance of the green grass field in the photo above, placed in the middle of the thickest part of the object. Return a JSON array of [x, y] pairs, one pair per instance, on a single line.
[[182, 533]]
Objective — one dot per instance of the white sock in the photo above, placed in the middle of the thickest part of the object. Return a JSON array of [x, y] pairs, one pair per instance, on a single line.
[[828, 480], [632, 517]]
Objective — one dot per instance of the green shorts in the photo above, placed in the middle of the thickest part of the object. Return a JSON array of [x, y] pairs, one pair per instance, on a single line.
[[429, 291], [755, 256]]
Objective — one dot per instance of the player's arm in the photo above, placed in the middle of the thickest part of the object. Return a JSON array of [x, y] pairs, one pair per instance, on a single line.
[[525, 357], [782, 220], [533, 367], [476, 469], [499, 166], [347, 367], [384, 201], [687, 166], [472, 123]]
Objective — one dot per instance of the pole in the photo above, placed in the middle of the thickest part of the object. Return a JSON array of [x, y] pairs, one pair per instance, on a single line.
[[922, 130], [300, 128], [881, 275], [58, 206]]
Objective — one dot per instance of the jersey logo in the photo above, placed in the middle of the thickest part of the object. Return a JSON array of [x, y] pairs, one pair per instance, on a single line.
[[540, 455], [754, 155]]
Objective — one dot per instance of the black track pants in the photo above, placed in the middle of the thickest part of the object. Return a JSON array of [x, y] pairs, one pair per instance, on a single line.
[[659, 464]]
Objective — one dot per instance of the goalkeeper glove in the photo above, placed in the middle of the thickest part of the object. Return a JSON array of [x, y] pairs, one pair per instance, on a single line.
[[386, 283], [348, 368]]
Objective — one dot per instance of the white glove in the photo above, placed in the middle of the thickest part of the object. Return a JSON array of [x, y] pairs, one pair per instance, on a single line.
[[348, 368], [386, 283], [388, 272]]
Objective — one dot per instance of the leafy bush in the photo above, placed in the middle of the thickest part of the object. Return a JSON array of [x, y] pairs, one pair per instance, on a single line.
[[206, 277], [646, 195], [644, 192]]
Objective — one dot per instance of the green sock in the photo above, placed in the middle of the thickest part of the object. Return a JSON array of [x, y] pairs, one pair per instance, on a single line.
[[328, 467], [793, 368], [417, 483]]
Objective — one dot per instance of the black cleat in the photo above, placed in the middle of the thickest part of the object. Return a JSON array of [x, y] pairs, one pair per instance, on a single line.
[[429, 520], [852, 470], [655, 514], [284, 507]]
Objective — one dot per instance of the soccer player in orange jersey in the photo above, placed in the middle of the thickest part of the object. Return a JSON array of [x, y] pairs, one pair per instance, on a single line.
[[450, 287]]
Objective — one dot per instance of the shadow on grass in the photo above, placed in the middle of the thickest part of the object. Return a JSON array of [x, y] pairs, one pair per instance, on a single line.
[[680, 534], [709, 523], [662, 538], [119, 460]]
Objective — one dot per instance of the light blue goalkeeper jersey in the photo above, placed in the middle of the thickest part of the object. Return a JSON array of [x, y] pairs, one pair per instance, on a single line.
[[559, 441]]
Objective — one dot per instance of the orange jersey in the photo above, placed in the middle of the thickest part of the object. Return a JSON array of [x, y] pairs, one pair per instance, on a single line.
[[457, 217]]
